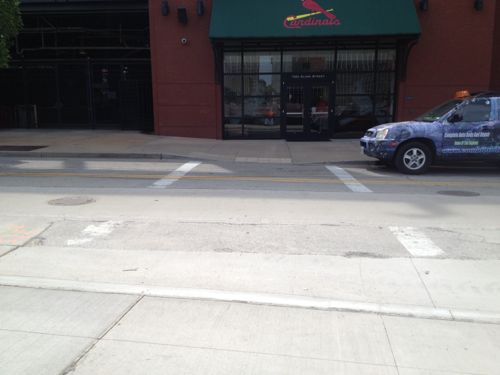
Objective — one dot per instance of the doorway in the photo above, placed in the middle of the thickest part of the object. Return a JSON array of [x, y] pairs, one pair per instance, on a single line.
[[307, 107]]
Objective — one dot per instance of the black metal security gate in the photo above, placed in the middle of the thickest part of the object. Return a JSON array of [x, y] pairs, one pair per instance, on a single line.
[[80, 66]]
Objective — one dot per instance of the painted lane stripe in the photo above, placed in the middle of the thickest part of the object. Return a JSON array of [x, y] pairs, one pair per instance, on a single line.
[[416, 242], [280, 300], [348, 180], [175, 175]]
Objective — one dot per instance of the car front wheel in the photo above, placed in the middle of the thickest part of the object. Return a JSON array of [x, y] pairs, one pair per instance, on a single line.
[[413, 158]]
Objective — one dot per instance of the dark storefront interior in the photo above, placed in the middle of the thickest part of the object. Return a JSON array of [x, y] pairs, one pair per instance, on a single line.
[[82, 64]]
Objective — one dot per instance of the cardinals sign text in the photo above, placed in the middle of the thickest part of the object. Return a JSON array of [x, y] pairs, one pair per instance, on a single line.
[[317, 16]]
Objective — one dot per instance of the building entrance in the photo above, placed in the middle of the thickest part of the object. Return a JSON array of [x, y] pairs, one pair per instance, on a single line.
[[307, 94], [307, 106]]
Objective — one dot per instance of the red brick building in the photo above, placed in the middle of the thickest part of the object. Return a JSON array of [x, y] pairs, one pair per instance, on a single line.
[[458, 47], [294, 69]]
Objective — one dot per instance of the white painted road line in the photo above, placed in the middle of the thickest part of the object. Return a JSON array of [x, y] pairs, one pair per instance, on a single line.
[[279, 300], [416, 242], [348, 180], [366, 172], [175, 175], [94, 231]]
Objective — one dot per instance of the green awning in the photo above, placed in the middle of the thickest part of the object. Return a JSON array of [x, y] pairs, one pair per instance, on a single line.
[[257, 19]]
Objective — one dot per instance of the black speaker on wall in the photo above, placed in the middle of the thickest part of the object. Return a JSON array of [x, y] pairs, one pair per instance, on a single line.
[[165, 8], [200, 7], [182, 15]]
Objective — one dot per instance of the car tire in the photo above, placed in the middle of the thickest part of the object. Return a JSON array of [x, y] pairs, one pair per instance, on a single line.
[[413, 158]]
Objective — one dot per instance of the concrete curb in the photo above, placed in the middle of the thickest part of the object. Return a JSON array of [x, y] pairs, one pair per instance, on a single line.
[[90, 155], [159, 156], [277, 300]]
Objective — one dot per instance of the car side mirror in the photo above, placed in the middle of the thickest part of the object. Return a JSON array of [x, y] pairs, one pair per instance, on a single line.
[[455, 118]]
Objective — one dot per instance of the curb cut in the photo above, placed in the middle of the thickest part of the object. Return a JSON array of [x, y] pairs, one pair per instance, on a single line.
[[275, 300]]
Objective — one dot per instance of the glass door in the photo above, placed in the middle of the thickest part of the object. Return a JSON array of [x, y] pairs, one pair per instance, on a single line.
[[295, 121], [319, 110], [306, 112]]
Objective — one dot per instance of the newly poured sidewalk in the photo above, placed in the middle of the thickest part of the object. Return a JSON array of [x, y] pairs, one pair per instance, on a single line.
[[128, 144]]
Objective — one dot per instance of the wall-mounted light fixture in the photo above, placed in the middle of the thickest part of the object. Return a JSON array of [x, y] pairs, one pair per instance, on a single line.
[[165, 8], [182, 15], [478, 5], [424, 5], [200, 7]]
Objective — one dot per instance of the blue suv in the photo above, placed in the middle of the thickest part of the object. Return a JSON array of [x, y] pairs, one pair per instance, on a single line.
[[460, 129]]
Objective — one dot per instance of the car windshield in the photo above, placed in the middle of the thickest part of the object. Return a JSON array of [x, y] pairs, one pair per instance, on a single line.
[[439, 111]]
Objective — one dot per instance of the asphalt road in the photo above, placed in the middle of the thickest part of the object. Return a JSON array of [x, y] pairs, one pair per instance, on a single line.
[[117, 174], [282, 209], [148, 262]]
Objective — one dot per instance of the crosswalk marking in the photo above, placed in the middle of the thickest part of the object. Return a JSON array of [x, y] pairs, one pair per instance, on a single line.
[[366, 172], [175, 175], [416, 242], [94, 231], [348, 180]]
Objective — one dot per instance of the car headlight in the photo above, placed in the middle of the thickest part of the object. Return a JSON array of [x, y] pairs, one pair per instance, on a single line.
[[382, 134]]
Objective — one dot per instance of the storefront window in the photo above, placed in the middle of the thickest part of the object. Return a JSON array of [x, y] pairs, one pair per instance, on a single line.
[[362, 87], [308, 61], [384, 108], [365, 89], [233, 107], [233, 128], [386, 60], [262, 117], [262, 62], [262, 107], [386, 83], [232, 85], [263, 84], [252, 95], [355, 83], [354, 114], [232, 62], [262, 127], [356, 60]]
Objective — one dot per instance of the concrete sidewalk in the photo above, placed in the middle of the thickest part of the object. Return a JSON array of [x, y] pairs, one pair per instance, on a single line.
[[128, 144], [47, 332]]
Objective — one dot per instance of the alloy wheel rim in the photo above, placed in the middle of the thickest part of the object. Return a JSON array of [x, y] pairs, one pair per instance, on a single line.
[[414, 159]]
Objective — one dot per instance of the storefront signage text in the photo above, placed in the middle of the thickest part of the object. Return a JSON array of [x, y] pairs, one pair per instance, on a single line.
[[308, 76], [317, 18]]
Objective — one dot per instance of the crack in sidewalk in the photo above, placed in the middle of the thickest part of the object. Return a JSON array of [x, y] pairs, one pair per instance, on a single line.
[[73, 365]]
